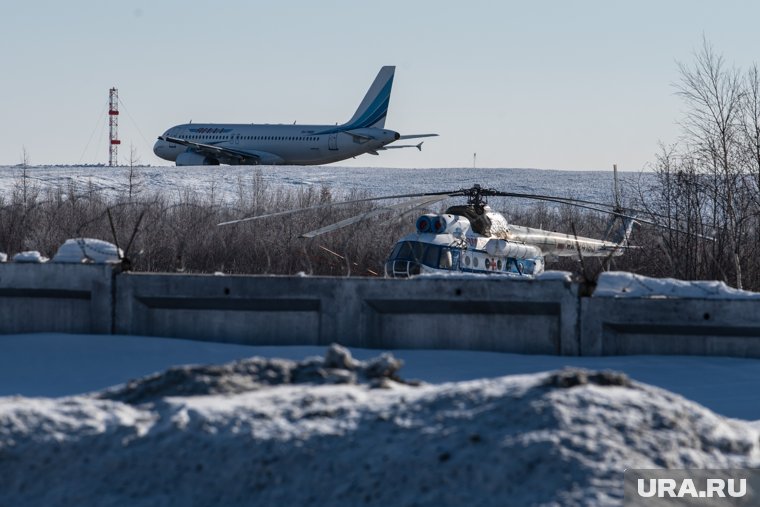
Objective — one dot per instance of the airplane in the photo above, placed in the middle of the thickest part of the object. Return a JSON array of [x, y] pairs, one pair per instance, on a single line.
[[280, 144]]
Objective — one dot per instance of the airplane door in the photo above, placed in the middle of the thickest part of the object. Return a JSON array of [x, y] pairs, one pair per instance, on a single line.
[[332, 142]]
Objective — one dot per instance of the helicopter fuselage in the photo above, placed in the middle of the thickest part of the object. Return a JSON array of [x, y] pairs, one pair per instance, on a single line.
[[448, 244], [483, 242]]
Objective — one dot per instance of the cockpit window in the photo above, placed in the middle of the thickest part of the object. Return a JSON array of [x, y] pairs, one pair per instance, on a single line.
[[434, 256]]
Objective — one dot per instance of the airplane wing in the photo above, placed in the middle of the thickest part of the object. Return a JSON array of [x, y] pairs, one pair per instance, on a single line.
[[229, 154]]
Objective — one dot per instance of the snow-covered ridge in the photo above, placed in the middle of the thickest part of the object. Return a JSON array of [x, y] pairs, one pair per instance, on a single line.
[[252, 374], [557, 438], [227, 183]]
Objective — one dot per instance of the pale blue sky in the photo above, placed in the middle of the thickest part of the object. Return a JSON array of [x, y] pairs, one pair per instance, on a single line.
[[546, 84]]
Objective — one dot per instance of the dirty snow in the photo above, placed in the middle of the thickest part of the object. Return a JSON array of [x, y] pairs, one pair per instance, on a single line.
[[561, 438]]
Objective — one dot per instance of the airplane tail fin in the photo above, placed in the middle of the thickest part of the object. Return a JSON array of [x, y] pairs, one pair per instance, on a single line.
[[374, 107]]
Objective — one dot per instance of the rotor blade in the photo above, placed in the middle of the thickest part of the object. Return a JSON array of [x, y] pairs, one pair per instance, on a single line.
[[419, 201], [327, 205], [565, 200], [571, 201], [633, 217], [575, 202]]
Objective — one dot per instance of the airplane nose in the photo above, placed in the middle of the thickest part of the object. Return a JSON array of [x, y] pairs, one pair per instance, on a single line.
[[158, 148]]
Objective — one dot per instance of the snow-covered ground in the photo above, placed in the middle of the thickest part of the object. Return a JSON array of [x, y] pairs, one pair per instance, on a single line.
[[227, 181], [62, 365], [338, 432]]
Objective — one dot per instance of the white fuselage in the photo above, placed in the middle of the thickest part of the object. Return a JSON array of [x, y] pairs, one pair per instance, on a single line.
[[273, 144]]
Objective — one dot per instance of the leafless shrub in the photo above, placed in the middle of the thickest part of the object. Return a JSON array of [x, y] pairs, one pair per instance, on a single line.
[[180, 233], [707, 185]]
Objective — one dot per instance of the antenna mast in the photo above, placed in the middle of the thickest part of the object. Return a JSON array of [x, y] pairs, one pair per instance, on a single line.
[[113, 124]]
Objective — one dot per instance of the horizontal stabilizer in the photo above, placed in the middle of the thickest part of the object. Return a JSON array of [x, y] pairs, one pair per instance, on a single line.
[[418, 146], [416, 136]]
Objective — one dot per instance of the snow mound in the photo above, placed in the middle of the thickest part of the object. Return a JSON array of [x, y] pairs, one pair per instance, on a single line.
[[564, 276], [31, 257], [337, 367], [78, 250], [558, 438], [621, 284], [3, 257]]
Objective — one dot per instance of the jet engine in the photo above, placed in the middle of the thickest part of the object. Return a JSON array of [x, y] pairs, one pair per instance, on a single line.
[[193, 158]]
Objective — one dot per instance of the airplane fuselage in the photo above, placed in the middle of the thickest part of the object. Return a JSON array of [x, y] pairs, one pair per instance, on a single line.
[[273, 144], [278, 144]]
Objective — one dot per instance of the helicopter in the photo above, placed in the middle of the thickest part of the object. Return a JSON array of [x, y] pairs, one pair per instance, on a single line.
[[472, 238]]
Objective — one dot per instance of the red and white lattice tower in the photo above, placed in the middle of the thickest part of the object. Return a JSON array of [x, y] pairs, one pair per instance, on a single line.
[[113, 123]]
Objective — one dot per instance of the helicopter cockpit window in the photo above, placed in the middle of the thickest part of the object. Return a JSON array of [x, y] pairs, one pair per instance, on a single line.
[[528, 266], [446, 260], [434, 256]]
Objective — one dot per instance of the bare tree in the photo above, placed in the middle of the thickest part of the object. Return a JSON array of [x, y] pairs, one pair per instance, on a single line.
[[25, 162], [134, 160], [713, 173]]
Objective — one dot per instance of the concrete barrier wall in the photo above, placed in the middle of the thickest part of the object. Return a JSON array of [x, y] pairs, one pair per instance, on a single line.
[[490, 314], [67, 298], [628, 326], [539, 317]]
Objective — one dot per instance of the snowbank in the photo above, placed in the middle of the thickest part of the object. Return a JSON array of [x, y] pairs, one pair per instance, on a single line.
[[561, 438], [78, 250], [31, 256], [621, 284], [564, 276]]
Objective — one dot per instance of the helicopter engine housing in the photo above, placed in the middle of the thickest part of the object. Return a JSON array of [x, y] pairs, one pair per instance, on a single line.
[[504, 248], [431, 223], [442, 224]]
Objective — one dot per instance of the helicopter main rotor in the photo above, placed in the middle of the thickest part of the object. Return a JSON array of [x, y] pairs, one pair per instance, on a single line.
[[477, 199]]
